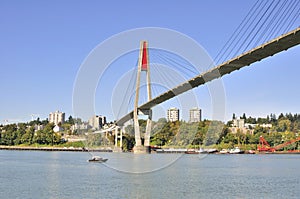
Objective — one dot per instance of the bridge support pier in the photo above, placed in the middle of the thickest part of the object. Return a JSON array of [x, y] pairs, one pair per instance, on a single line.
[[118, 136], [141, 149]]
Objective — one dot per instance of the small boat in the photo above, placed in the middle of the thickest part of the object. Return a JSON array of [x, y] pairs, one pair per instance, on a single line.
[[201, 150], [251, 152], [97, 159], [212, 150], [236, 150], [224, 151], [191, 151]]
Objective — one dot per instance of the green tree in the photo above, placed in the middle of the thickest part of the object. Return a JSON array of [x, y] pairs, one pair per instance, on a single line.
[[70, 120], [8, 134], [214, 133], [128, 142], [230, 139], [250, 120], [284, 125], [244, 116], [28, 136]]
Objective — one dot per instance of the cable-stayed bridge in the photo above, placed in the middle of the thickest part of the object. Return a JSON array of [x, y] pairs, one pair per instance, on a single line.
[[263, 51], [251, 42]]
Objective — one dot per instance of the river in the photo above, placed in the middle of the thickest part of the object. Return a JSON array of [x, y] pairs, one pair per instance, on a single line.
[[37, 174]]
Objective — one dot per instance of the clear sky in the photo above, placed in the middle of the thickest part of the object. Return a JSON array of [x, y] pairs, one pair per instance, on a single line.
[[43, 43]]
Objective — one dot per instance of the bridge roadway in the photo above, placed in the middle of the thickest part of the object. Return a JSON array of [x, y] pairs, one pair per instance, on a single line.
[[265, 50]]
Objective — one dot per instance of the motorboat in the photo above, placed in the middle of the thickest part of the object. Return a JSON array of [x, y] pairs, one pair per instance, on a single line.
[[236, 150], [251, 152], [224, 151], [212, 150], [97, 159], [191, 151]]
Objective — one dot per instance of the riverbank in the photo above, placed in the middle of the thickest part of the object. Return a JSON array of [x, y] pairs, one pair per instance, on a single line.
[[71, 149], [82, 149]]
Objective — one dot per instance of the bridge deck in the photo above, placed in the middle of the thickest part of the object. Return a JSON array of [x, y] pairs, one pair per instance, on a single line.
[[270, 48]]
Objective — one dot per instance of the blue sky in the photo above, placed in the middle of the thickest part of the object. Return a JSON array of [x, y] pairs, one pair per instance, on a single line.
[[43, 44]]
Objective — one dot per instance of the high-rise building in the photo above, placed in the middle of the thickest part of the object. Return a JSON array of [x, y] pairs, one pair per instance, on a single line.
[[57, 117], [173, 114], [195, 115], [97, 121]]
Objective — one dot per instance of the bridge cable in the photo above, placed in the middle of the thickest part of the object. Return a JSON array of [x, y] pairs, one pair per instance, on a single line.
[[278, 23], [236, 33], [181, 66], [296, 14], [241, 35], [268, 24], [253, 37], [284, 19], [132, 80]]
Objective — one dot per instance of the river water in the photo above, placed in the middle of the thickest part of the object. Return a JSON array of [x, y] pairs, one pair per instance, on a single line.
[[36, 174]]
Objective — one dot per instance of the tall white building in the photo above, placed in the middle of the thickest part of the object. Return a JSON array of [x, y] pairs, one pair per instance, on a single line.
[[173, 114], [57, 117], [97, 121], [195, 115]]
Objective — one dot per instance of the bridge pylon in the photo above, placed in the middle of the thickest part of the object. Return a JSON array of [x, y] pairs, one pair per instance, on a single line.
[[143, 66]]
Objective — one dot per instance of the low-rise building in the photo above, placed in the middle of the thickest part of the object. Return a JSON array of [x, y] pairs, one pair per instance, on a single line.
[[266, 125], [57, 129], [239, 123], [38, 127], [76, 126]]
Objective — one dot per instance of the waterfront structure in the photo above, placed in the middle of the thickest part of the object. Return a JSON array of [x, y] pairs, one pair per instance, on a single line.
[[173, 114], [57, 117], [97, 121], [195, 115]]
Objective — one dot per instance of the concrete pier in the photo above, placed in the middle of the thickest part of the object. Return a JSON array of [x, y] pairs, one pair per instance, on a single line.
[[141, 149]]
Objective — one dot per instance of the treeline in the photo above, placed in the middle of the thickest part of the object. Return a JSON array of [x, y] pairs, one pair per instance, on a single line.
[[18, 134], [217, 134], [170, 134], [26, 133], [284, 122], [179, 133]]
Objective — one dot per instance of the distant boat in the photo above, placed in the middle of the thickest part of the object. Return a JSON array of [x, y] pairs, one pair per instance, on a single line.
[[224, 151], [97, 159], [251, 152], [212, 150], [236, 150], [201, 150], [194, 151], [191, 151]]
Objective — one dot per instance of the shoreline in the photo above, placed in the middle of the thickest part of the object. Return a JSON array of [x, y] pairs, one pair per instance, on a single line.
[[70, 149], [79, 149]]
